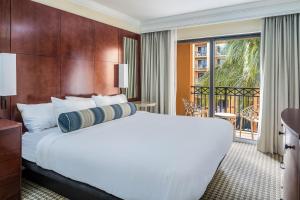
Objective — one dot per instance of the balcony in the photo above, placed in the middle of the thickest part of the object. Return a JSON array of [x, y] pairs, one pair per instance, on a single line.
[[233, 100], [201, 68], [199, 54]]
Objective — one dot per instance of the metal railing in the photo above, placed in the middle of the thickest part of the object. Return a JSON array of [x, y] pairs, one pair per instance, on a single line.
[[227, 99]]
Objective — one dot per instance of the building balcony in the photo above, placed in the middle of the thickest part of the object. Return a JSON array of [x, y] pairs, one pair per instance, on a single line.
[[201, 69], [200, 54]]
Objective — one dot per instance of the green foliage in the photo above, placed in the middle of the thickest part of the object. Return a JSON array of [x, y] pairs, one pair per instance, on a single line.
[[241, 67]]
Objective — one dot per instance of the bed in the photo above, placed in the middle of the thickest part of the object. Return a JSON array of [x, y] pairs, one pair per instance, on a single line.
[[144, 156]]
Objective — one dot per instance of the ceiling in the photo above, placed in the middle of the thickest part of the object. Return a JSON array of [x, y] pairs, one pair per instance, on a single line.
[[156, 15], [150, 9]]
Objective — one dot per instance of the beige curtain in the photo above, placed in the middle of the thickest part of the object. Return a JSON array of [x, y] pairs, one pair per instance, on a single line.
[[130, 58], [159, 70], [280, 68]]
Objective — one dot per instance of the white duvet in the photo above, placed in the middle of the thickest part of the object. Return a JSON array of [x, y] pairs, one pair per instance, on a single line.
[[144, 157]]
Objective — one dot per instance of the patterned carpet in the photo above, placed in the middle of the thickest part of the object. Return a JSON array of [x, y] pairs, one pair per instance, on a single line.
[[244, 174]]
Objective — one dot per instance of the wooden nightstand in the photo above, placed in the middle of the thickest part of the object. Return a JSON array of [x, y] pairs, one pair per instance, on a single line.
[[10, 159]]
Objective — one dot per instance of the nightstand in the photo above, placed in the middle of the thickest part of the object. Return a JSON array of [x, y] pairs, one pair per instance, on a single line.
[[10, 159]]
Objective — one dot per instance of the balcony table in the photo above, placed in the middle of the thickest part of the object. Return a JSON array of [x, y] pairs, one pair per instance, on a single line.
[[228, 116]]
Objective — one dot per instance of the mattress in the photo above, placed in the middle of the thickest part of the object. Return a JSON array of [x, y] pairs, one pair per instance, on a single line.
[[144, 156]]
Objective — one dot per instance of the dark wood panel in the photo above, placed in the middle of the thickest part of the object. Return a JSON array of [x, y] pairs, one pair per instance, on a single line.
[[38, 79], [106, 42], [77, 37], [5, 26], [58, 53], [106, 78], [5, 113], [77, 77], [34, 28]]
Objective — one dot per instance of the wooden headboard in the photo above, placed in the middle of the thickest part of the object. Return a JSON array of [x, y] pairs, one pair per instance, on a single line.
[[59, 53]]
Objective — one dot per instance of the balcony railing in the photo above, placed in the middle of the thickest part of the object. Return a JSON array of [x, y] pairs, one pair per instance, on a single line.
[[228, 100], [201, 68], [200, 54]]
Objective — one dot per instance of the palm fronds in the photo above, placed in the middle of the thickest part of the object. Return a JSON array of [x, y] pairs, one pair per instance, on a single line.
[[241, 67]]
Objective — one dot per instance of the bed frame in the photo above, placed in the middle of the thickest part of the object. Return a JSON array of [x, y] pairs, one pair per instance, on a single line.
[[62, 185]]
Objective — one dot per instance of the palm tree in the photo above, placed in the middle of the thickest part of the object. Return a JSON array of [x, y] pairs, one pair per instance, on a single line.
[[241, 67]]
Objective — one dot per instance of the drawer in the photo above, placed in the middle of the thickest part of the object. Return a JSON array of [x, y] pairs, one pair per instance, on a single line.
[[10, 188], [10, 179], [9, 155], [10, 167], [15, 197], [10, 140]]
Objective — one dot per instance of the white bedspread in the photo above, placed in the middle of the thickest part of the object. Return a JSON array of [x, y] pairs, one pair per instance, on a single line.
[[30, 141], [144, 157]]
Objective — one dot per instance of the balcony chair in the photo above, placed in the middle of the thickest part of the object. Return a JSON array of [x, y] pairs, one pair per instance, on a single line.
[[191, 109], [250, 114]]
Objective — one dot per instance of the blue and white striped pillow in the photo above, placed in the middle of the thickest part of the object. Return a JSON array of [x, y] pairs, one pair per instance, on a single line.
[[72, 121]]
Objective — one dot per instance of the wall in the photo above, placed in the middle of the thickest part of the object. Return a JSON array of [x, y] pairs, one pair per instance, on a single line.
[[184, 75], [101, 14], [58, 53], [231, 28]]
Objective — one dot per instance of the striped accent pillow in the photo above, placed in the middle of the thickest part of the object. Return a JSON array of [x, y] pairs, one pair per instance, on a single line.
[[76, 120]]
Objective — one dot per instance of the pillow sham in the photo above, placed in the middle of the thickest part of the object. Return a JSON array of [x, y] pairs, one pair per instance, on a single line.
[[76, 120], [37, 117], [109, 100], [62, 105]]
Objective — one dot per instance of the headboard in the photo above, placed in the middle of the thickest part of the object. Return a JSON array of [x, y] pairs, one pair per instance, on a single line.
[[58, 53]]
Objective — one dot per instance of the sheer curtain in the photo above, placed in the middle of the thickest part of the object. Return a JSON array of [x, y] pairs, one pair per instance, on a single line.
[[130, 58], [159, 70], [280, 72]]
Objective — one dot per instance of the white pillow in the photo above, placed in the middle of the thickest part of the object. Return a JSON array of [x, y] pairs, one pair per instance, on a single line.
[[109, 100], [63, 106], [37, 117], [77, 98]]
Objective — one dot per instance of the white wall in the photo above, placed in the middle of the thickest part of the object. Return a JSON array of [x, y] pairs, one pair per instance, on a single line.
[[229, 28], [69, 6]]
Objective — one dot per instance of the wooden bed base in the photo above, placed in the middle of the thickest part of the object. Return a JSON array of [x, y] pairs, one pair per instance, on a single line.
[[64, 186]]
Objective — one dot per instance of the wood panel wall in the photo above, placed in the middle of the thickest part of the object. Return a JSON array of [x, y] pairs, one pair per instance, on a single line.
[[184, 75], [59, 53]]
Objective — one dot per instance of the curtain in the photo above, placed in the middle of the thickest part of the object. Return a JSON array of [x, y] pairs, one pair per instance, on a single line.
[[130, 58], [159, 70], [280, 68]]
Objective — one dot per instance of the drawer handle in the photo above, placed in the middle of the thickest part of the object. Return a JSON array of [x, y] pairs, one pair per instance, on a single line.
[[282, 165], [289, 146], [281, 133]]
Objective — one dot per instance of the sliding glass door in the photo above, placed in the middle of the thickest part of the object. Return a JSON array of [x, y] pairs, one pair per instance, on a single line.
[[226, 80]]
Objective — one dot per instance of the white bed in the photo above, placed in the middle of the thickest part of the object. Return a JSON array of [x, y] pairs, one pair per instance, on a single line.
[[145, 156]]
